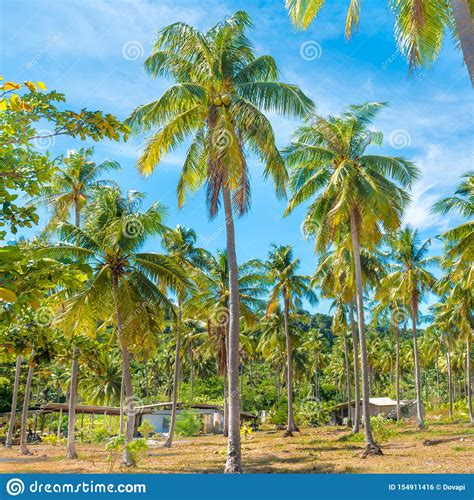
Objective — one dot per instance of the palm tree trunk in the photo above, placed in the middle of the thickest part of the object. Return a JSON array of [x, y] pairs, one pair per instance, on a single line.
[[71, 446], [356, 421], [191, 375], [233, 464], [468, 376], [177, 362], [122, 401], [419, 402], [16, 384], [438, 389], [127, 377], [24, 412], [371, 447], [348, 379], [291, 426], [450, 379], [465, 30], [397, 369], [225, 427]]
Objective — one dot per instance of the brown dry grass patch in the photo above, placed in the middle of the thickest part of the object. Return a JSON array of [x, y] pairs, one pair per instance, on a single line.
[[319, 450]]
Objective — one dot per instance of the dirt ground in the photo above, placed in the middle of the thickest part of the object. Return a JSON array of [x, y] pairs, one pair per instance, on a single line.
[[319, 450]]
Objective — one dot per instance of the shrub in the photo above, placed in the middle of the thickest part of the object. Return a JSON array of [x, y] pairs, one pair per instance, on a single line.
[[114, 446], [382, 429], [246, 431], [146, 429], [279, 414], [137, 448], [187, 423], [312, 414]]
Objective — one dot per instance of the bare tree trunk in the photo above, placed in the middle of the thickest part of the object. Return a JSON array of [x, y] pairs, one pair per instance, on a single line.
[[24, 412], [291, 425], [71, 417], [450, 379], [191, 375], [225, 427], [465, 30], [127, 376], [356, 422], [371, 447], [419, 402], [177, 362], [468, 377], [122, 401], [71, 446], [397, 368], [16, 385], [233, 464], [438, 390], [348, 379]]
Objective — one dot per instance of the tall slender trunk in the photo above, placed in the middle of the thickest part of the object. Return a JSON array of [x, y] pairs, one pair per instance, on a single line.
[[468, 376], [371, 447], [465, 30], [147, 388], [397, 368], [419, 402], [438, 389], [24, 412], [225, 429], [16, 385], [450, 378], [233, 464], [177, 362], [348, 379], [291, 425], [71, 446], [356, 421], [191, 374], [122, 401], [127, 377]]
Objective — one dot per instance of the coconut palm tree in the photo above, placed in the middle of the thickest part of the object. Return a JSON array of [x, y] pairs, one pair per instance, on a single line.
[[336, 278], [220, 91], [409, 281], [212, 300], [288, 287], [128, 286], [69, 191], [460, 240], [352, 189], [179, 244], [420, 26]]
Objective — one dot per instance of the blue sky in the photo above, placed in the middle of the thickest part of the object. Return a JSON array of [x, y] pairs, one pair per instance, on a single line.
[[93, 50]]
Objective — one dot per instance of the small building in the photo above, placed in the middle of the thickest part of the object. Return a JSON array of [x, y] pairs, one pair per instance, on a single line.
[[212, 416], [377, 406]]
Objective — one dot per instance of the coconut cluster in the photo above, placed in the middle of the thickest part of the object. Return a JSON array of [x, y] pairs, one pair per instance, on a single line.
[[222, 100]]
